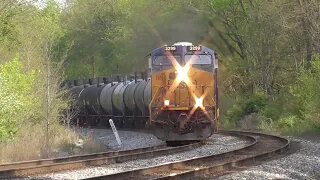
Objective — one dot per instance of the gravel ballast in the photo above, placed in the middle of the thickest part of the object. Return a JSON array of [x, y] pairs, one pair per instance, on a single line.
[[304, 163], [129, 139], [216, 144]]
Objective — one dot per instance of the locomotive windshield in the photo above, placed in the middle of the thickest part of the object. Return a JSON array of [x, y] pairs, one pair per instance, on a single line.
[[164, 60], [198, 59]]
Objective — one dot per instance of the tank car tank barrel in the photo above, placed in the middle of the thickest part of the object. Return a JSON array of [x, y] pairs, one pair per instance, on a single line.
[[138, 96], [106, 97], [118, 97], [129, 97], [147, 96]]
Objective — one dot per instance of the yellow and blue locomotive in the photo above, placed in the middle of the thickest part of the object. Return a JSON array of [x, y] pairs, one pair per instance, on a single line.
[[184, 103]]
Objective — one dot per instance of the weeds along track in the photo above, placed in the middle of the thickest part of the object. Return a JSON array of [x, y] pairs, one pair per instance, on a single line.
[[35, 167], [261, 147]]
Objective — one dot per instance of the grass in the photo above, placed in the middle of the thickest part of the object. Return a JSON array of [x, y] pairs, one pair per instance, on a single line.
[[29, 144]]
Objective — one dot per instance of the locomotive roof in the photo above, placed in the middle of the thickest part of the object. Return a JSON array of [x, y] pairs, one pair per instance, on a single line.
[[180, 48]]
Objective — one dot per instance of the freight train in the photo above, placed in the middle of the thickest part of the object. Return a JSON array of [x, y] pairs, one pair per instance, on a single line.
[[178, 99]]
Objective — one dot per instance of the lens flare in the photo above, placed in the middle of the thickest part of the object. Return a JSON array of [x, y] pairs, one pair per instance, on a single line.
[[199, 102], [166, 102], [183, 74]]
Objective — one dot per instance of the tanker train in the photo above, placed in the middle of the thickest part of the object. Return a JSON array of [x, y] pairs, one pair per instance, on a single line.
[[178, 100], [125, 101]]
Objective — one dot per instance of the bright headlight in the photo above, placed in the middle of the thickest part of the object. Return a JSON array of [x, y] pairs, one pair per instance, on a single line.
[[199, 102], [166, 102], [183, 74]]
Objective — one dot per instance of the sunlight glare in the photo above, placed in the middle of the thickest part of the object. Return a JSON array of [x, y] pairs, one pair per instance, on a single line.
[[183, 73], [199, 102]]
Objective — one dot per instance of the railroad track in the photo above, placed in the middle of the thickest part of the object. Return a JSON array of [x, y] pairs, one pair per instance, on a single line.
[[36, 167], [262, 146]]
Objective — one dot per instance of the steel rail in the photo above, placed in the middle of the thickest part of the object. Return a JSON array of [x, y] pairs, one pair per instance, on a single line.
[[21, 169], [239, 159], [208, 165], [8, 166]]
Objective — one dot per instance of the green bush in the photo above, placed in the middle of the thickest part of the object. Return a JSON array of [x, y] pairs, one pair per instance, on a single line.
[[297, 111], [243, 107], [255, 103], [232, 116], [17, 99], [306, 93], [275, 108], [291, 124]]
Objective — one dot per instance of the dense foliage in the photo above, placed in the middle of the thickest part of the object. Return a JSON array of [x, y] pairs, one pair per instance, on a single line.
[[30, 78], [17, 97], [273, 69]]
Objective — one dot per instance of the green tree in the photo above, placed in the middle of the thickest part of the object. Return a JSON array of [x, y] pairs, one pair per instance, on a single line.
[[18, 98]]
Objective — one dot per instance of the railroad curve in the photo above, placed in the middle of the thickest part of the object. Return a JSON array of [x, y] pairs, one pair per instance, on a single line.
[[262, 146], [36, 167]]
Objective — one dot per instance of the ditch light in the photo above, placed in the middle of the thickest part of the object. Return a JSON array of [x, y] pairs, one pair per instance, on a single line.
[[166, 102]]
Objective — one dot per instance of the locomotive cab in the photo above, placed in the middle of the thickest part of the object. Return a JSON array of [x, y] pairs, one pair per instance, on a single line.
[[184, 90]]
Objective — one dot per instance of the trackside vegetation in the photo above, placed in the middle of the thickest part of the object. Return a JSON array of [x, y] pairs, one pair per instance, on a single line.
[[17, 98], [293, 112], [31, 98]]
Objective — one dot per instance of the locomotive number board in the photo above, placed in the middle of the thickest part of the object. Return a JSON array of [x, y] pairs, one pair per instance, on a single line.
[[189, 48], [170, 48], [194, 48]]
